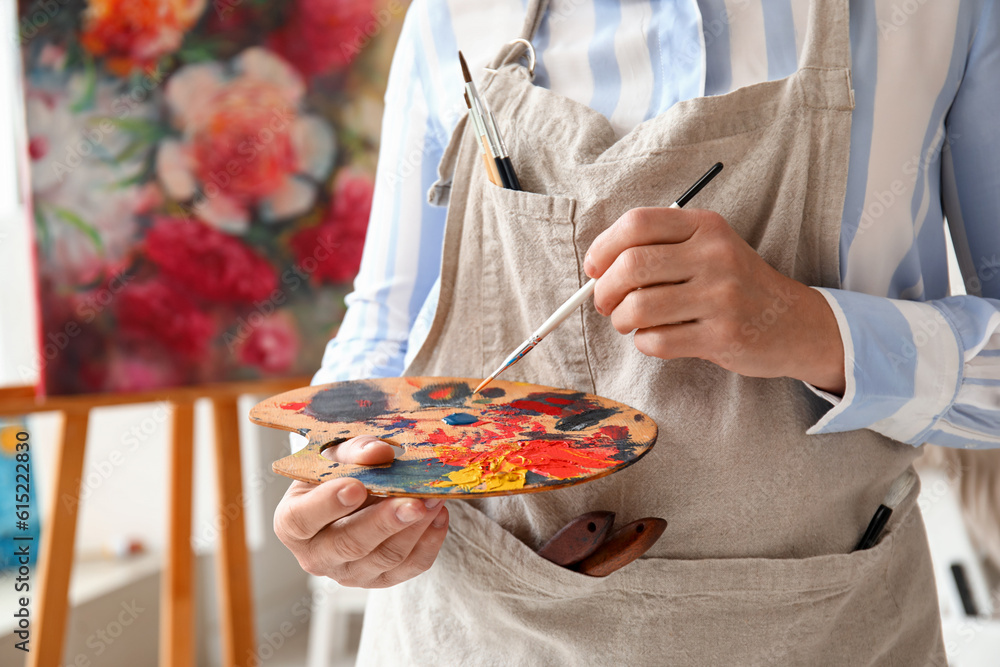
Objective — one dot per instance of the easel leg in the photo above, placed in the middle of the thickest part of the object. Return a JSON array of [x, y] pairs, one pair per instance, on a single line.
[[237, 612], [58, 538], [177, 591]]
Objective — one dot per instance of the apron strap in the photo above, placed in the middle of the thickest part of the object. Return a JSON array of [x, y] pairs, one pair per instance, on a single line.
[[532, 19], [828, 36]]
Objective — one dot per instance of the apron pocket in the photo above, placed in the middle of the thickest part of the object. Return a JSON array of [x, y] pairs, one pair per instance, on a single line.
[[510, 606], [530, 267]]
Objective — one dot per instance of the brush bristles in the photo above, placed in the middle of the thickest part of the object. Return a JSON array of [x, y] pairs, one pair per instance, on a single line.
[[900, 489], [465, 68]]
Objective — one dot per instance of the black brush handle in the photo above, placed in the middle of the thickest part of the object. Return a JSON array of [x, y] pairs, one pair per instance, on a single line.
[[964, 590], [504, 180], [875, 528], [511, 175]]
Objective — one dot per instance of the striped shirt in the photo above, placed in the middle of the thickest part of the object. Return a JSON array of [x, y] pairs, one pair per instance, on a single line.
[[922, 366]]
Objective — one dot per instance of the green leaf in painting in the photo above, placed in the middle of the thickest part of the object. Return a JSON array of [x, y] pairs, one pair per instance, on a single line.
[[42, 228], [73, 220], [86, 100]]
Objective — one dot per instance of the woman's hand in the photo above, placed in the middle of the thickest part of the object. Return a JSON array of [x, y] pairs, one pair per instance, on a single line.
[[336, 531], [689, 286]]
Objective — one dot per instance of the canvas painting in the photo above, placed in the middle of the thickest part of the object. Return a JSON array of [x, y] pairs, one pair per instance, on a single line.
[[201, 176]]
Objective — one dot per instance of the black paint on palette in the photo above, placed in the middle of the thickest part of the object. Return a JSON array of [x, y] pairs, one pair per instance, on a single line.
[[348, 402], [493, 392], [584, 420]]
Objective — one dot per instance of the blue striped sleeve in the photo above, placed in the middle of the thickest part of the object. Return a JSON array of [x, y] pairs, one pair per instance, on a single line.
[[929, 372], [401, 258]]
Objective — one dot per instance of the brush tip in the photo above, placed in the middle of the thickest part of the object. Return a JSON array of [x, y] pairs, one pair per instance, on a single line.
[[482, 384], [465, 68], [900, 489]]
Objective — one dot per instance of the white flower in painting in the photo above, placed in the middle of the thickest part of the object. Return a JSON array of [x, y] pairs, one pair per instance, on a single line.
[[84, 199]]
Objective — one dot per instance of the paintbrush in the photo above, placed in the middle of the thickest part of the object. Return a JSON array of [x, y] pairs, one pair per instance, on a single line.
[[897, 492], [583, 293], [479, 119], [504, 164]]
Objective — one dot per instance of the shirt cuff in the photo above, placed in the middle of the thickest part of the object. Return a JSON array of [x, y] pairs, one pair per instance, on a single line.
[[903, 363]]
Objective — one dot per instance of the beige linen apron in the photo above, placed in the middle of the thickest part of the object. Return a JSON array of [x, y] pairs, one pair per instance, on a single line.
[[755, 567]]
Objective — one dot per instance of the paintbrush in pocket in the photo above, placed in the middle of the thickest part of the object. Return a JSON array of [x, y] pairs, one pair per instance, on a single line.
[[897, 492]]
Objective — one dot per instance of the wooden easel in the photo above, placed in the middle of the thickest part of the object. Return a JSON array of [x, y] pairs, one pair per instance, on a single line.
[[177, 591]]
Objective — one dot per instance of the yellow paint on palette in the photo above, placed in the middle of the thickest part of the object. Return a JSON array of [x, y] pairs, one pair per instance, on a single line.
[[497, 475]]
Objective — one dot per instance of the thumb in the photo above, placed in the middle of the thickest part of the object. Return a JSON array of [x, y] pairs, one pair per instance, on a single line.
[[364, 450]]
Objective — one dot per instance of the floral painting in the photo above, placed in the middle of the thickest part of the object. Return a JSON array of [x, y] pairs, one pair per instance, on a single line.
[[201, 177]]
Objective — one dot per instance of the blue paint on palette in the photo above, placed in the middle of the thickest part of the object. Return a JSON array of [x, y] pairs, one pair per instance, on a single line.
[[460, 419]]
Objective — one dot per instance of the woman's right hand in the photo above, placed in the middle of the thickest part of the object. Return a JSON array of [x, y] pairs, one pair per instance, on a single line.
[[335, 530]]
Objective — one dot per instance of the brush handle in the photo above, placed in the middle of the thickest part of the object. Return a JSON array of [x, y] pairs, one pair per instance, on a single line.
[[571, 304], [875, 528]]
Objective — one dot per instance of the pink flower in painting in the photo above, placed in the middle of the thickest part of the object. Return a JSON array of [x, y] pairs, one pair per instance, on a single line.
[[245, 143], [322, 35], [272, 346], [331, 251], [209, 263], [136, 33], [138, 371], [154, 310]]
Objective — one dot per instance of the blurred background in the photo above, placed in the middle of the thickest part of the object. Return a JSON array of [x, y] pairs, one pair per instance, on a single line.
[[142, 145]]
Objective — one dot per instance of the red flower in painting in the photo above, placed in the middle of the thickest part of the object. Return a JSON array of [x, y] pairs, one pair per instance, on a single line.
[[321, 35], [208, 262], [272, 346], [331, 251], [136, 33], [156, 311]]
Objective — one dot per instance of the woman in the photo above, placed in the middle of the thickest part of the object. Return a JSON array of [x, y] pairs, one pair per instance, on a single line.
[[793, 338]]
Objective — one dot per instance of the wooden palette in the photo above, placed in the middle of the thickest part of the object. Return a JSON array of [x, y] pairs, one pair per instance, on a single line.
[[527, 437]]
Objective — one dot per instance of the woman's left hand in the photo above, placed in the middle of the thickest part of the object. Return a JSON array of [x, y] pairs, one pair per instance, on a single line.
[[689, 286]]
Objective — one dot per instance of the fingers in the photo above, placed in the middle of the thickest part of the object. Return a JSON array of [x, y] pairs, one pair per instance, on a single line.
[[639, 227], [356, 536], [641, 266], [307, 508], [421, 555], [364, 450], [670, 341], [359, 550], [658, 305]]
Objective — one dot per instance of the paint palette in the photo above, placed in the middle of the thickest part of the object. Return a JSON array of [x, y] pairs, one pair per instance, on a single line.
[[513, 438]]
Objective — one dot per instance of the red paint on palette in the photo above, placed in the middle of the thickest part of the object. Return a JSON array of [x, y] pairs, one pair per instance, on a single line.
[[441, 394], [536, 406], [293, 406]]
